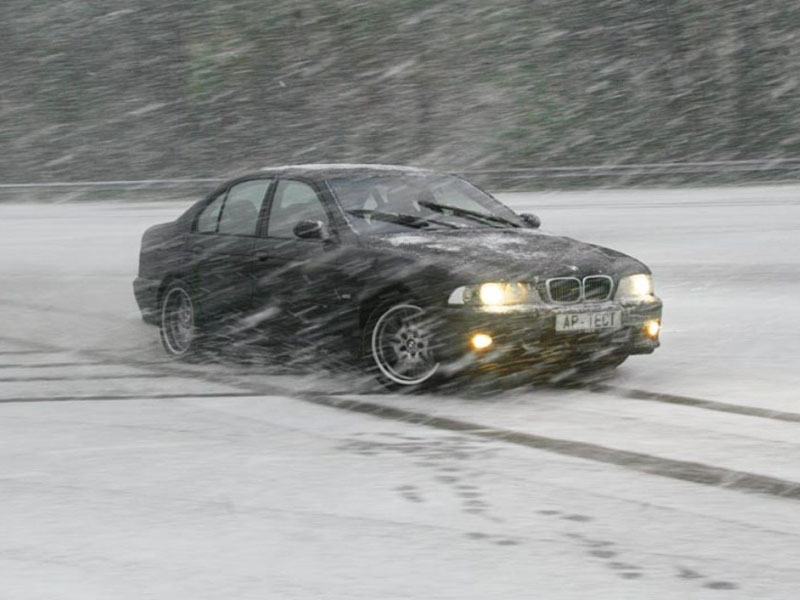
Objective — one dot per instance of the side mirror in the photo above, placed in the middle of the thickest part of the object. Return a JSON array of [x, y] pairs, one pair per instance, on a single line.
[[311, 230], [533, 221]]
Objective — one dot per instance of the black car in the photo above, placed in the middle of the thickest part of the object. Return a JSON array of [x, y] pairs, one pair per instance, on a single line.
[[413, 272]]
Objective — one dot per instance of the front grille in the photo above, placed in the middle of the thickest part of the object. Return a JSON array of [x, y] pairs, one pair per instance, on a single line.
[[597, 288], [569, 290], [566, 290]]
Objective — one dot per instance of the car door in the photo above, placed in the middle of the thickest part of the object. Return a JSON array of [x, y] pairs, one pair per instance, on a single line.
[[295, 279], [221, 249]]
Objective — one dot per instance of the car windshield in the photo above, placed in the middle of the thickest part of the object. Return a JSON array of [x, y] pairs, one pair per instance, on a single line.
[[377, 204]]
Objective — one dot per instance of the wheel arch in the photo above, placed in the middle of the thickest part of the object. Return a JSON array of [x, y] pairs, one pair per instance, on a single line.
[[165, 282], [376, 298]]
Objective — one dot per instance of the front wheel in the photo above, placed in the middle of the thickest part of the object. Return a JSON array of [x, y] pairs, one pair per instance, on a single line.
[[399, 342], [178, 323]]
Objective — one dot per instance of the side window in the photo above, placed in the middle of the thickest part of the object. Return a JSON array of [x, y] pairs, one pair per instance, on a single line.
[[241, 210], [294, 201], [207, 221]]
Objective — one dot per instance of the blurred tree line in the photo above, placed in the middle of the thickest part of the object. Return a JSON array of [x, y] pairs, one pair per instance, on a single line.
[[121, 89]]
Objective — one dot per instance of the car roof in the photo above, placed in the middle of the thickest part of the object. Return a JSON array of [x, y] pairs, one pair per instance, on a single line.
[[326, 171]]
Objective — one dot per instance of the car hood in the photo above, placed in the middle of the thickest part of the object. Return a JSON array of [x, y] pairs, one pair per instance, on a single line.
[[509, 254]]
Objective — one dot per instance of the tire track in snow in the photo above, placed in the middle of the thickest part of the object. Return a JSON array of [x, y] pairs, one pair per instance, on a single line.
[[88, 377], [645, 463], [107, 358], [121, 397], [59, 364], [693, 472], [739, 409]]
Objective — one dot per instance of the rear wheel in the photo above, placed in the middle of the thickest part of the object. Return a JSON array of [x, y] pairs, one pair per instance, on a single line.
[[399, 345], [180, 334]]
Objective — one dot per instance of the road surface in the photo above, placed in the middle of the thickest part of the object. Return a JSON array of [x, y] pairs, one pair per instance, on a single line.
[[123, 475]]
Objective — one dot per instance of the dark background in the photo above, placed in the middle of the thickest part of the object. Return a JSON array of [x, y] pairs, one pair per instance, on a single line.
[[116, 89]]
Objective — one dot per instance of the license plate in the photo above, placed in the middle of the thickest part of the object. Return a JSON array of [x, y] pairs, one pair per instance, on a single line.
[[589, 321]]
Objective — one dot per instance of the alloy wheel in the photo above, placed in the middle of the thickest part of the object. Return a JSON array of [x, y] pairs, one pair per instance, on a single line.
[[402, 345]]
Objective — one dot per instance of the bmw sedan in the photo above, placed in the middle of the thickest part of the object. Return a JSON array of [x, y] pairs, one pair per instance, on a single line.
[[416, 275]]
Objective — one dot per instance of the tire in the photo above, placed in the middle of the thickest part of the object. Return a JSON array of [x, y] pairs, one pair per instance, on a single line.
[[397, 345], [179, 321]]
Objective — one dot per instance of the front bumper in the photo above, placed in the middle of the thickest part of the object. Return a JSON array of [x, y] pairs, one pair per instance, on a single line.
[[527, 333]]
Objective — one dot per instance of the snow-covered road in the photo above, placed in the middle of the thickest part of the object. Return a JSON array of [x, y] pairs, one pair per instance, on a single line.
[[125, 476]]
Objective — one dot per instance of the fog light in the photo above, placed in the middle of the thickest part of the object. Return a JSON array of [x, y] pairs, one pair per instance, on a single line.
[[481, 341], [652, 329]]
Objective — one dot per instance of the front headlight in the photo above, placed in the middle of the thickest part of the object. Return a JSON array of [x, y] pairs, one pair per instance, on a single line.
[[634, 286], [495, 294]]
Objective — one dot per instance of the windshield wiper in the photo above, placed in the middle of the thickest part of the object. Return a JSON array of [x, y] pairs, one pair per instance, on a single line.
[[400, 219], [467, 214]]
